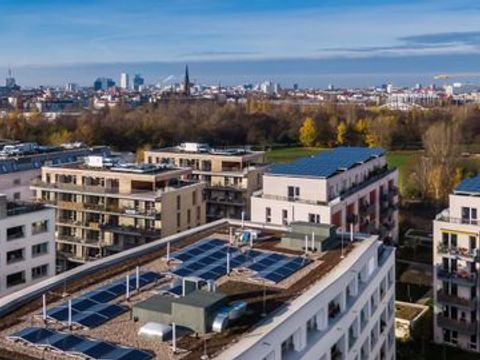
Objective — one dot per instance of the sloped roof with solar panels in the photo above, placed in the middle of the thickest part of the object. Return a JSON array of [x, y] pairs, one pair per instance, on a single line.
[[328, 163], [469, 186]]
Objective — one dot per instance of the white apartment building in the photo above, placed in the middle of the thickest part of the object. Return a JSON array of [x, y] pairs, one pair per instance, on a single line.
[[19, 167], [349, 314], [456, 233], [27, 244], [346, 186]]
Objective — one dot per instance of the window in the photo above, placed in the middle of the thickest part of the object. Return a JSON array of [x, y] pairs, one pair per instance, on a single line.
[[39, 271], [16, 196], [188, 216], [178, 220], [194, 198], [453, 240], [15, 232], [314, 218], [473, 243], [39, 227], [16, 279], [179, 202], [268, 214], [16, 181], [284, 217], [40, 249], [293, 192], [469, 215], [198, 213], [15, 256]]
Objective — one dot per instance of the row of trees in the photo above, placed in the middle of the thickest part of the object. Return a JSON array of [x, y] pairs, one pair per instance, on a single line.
[[254, 123]]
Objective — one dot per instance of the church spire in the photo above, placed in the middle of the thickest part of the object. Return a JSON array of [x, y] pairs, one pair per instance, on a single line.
[[186, 85]]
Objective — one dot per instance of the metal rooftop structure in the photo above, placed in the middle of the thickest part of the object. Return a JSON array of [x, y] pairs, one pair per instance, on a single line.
[[469, 186], [328, 163]]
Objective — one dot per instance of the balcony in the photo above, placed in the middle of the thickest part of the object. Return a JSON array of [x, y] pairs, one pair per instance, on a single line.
[[460, 277], [461, 326], [367, 208], [131, 230], [471, 254], [456, 300], [76, 187], [444, 216]]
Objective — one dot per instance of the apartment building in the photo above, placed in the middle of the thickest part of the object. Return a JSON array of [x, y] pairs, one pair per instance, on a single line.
[[346, 186], [231, 175], [20, 164], [333, 305], [456, 233], [104, 207], [27, 244]]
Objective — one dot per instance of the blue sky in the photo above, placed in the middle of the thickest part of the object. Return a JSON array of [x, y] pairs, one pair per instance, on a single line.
[[37, 33]]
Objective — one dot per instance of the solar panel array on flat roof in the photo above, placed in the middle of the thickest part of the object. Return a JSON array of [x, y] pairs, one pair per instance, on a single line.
[[92, 309], [470, 185], [327, 163], [207, 260], [78, 345]]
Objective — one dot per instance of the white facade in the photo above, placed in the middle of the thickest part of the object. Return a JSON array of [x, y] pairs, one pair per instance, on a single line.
[[27, 246], [456, 281], [364, 196], [362, 285], [124, 81]]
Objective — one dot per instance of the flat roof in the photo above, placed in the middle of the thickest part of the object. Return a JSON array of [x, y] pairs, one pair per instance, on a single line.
[[200, 298], [328, 163], [469, 185], [230, 151], [151, 257]]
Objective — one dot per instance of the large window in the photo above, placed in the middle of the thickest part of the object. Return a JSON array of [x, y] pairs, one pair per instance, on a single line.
[[268, 215], [39, 271], [39, 227], [314, 218], [39, 249], [15, 232], [469, 215], [15, 256], [293, 192], [16, 279]]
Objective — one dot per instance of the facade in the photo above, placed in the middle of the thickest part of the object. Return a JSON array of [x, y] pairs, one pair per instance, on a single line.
[[103, 208], [349, 314], [138, 82], [27, 244], [231, 175], [18, 169], [124, 81], [456, 256], [344, 187], [103, 84]]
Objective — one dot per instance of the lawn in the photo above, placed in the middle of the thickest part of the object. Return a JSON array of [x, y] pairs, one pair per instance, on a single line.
[[288, 154]]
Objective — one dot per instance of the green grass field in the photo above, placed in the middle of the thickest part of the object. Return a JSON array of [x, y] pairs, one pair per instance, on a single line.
[[288, 154]]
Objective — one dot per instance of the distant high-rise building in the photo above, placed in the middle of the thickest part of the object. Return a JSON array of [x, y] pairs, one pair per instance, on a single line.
[[138, 81], [10, 80], [124, 81], [103, 83], [71, 87], [187, 84]]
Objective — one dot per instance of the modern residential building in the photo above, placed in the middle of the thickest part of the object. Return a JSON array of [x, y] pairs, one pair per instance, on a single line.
[[20, 164], [103, 207], [27, 244], [333, 303], [231, 174], [346, 186], [456, 235]]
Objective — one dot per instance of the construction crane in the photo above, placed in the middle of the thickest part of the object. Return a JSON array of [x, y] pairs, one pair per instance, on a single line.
[[456, 75]]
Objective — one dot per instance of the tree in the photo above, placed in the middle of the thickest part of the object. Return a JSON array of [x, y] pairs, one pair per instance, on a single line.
[[341, 133], [308, 132], [59, 137], [379, 131]]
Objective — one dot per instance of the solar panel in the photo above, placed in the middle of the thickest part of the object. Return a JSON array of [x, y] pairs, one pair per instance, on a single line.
[[328, 163], [176, 290], [101, 296], [469, 185], [79, 345]]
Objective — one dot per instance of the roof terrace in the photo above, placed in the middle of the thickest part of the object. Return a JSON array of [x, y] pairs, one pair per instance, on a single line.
[[257, 269]]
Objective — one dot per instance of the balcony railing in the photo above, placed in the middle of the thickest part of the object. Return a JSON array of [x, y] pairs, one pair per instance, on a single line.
[[446, 298], [444, 216], [135, 231], [461, 277], [458, 251], [461, 326]]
